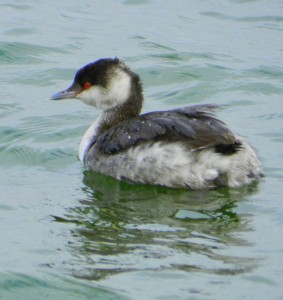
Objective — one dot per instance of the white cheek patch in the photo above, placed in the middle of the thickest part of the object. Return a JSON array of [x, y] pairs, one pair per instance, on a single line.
[[119, 88], [116, 93], [95, 96]]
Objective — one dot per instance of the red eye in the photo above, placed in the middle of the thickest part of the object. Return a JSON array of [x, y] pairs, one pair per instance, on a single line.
[[87, 85]]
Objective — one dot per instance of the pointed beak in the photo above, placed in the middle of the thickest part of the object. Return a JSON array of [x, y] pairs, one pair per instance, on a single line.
[[69, 93]]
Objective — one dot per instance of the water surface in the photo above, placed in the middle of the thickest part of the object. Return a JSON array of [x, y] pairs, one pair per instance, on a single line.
[[67, 233]]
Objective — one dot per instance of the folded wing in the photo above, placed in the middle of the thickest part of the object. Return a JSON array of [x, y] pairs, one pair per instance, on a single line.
[[194, 125]]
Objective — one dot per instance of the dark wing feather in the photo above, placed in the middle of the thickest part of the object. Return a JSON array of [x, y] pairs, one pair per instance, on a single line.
[[196, 125], [127, 134]]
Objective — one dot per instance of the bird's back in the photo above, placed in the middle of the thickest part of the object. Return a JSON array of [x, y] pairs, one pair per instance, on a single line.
[[185, 147]]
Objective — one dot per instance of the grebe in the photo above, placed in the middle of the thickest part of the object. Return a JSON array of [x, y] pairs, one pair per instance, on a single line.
[[186, 147]]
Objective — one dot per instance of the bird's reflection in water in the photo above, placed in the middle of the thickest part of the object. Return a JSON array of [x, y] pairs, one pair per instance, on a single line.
[[122, 227]]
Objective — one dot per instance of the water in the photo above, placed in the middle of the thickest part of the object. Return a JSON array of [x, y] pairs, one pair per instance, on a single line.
[[70, 234]]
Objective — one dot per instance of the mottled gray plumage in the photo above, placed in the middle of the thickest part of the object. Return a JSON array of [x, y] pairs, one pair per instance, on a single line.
[[185, 147]]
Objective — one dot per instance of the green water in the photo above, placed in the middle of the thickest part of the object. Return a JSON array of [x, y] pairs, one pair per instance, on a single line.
[[67, 233]]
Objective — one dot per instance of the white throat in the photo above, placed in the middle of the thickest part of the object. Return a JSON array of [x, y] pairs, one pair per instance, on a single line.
[[92, 132], [88, 137]]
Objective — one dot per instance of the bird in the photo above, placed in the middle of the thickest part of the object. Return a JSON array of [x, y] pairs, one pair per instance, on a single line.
[[187, 147]]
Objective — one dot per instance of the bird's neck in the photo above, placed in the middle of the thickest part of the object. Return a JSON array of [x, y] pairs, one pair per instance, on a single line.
[[112, 117], [109, 118], [131, 108]]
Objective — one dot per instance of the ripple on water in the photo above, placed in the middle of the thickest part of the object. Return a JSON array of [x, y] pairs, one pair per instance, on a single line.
[[38, 141], [7, 110], [16, 156], [24, 53], [57, 287], [267, 20]]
